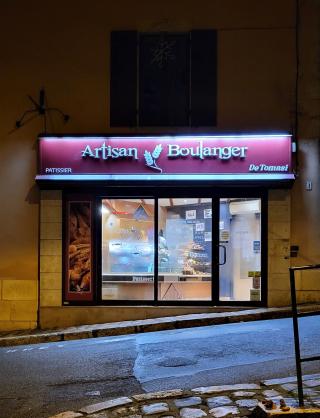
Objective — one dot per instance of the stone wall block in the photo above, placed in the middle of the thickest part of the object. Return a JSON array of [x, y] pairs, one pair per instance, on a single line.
[[14, 325], [50, 298], [50, 264], [279, 298], [279, 281], [310, 280], [24, 310], [5, 310], [50, 281], [51, 230], [50, 247], [279, 230], [308, 296], [278, 265], [19, 290], [278, 213], [279, 247], [50, 213]]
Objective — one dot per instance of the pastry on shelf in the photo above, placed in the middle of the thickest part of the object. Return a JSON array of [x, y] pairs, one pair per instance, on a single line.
[[197, 247], [188, 270]]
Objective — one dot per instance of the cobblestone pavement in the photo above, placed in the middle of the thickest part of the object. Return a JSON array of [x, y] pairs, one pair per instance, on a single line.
[[238, 400]]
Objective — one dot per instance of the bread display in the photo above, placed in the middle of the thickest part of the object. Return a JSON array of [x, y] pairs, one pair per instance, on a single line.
[[79, 247], [196, 260]]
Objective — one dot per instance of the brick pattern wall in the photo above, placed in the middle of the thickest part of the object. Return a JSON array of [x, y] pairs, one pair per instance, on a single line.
[[51, 248], [278, 247], [18, 303]]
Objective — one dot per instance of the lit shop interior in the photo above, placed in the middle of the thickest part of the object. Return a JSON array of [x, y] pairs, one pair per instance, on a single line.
[[189, 235]]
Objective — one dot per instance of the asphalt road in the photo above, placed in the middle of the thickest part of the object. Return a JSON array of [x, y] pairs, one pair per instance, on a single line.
[[40, 380]]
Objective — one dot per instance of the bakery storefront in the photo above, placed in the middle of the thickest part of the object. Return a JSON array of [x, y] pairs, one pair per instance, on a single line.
[[160, 220]]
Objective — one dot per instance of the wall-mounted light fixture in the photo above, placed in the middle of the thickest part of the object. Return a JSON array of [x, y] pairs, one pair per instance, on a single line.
[[41, 109]]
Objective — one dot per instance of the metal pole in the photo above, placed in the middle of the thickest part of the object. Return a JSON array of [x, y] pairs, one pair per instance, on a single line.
[[296, 335]]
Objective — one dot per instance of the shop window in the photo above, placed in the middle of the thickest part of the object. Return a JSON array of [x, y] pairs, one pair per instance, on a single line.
[[78, 285], [168, 249], [163, 79], [184, 249], [127, 249], [240, 249]]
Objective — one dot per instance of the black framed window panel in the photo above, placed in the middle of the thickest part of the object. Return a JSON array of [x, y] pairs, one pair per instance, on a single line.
[[264, 248], [127, 249], [123, 78], [156, 249], [79, 272], [164, 79], [203, 78], [215, 250]]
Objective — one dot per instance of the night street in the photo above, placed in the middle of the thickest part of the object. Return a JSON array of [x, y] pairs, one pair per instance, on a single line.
[[40, 380]]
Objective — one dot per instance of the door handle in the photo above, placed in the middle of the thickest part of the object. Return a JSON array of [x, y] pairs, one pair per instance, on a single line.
[[224, 255]]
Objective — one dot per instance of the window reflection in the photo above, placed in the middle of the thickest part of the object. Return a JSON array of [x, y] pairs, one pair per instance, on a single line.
[[127, 249], [240, 249], [184, 248]]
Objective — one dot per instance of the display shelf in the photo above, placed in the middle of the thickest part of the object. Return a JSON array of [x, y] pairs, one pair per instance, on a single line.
[[160, 274], [160, 283], [124, 282], [127, 274]]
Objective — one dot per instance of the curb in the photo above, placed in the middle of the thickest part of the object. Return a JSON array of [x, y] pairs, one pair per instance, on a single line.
[[151, 325]]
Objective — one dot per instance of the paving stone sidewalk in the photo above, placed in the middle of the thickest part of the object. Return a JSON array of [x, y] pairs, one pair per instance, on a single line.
[[149, 325], [239, 400]]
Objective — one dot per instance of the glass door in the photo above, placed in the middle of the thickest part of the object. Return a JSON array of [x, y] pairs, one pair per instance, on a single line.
[[184, 249], [240, 249]]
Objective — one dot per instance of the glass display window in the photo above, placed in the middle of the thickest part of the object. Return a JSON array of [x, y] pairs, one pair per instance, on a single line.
[[179, 249], [127, 249]]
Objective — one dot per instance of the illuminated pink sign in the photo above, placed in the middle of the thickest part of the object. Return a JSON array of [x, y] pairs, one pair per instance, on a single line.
[[165, 157]]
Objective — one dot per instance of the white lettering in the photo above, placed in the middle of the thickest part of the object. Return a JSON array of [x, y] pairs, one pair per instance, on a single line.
[[133, 152], [253, 167], [173, 150], [222, 153], [107, 151], [87, 152], [58, 170], [267, 168]]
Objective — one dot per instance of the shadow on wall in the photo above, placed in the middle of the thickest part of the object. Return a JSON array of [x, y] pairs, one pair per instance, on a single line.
[[33, 195]]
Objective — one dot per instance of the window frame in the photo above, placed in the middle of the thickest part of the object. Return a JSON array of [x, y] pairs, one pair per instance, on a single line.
[[207, 191]]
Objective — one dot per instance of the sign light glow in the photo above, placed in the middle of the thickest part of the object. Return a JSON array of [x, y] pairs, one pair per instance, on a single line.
[[242, 157]]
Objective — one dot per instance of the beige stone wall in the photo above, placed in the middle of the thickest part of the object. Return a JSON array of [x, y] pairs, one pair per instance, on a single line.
[[51, 248], [280, 238], [18, 303], [279, 247]]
